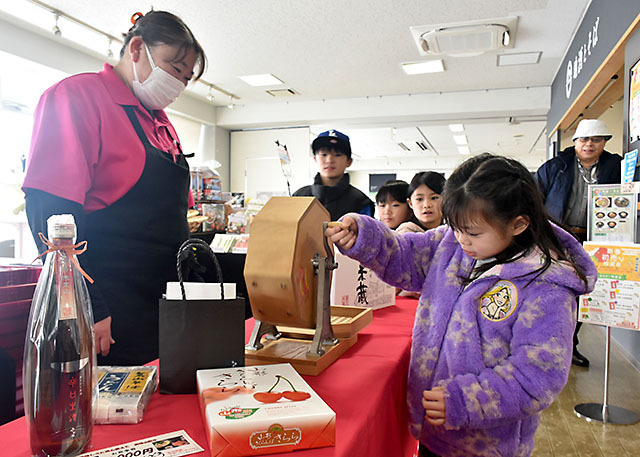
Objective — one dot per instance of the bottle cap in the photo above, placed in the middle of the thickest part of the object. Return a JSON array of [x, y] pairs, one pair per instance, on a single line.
[[61, 226]]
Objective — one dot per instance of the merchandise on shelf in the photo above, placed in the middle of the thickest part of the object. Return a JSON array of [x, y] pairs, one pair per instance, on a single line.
[[215, 214]]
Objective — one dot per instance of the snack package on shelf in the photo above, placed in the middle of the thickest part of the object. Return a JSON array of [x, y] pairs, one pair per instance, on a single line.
[[206, 183], [264, 409], [195, 220], [123, 393], [215, 214], [230, 243], [237, 222]]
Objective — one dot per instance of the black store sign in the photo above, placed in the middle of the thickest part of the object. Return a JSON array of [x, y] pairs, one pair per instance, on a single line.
[[602, 27]]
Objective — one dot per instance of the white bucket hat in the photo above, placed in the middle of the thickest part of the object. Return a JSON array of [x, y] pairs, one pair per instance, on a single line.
[[591, 127]]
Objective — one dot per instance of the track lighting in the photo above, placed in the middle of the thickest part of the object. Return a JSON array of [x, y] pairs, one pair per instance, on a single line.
[[109, 51], [56, 30]]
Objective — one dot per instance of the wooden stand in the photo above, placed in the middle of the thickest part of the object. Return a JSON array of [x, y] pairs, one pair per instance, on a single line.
[[346, 322], [293, 346], [296, 352], [288, 275]]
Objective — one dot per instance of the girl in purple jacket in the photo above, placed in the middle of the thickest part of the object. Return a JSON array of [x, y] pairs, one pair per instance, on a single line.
[[492, 337]]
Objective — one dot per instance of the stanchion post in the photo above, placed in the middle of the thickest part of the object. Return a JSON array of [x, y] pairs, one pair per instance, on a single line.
[[603, 412]]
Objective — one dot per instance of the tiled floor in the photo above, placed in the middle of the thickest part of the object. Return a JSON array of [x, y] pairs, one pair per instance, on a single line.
[[563, 434]]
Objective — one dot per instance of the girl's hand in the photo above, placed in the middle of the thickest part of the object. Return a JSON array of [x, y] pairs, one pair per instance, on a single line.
[[434, 406], [344, 234]]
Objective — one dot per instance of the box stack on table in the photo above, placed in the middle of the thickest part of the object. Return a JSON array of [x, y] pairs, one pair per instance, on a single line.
[[17, 284]]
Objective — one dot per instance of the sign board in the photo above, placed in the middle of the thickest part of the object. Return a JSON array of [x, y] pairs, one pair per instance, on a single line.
[[611, 213], [600, 30], [354, 285], [615, 301]]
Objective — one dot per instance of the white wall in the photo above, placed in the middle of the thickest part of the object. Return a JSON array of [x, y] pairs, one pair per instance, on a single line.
[[613, 120], [256, 150], [188, 132]]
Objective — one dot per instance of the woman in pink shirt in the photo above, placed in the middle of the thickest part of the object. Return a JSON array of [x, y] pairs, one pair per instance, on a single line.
[[104, 150]]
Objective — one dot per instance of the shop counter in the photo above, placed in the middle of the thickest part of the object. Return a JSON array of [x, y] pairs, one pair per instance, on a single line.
[[365, 387]]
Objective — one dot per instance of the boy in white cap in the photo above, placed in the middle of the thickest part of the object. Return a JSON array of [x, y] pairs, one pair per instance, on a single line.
[[332, 153], [564, 181]]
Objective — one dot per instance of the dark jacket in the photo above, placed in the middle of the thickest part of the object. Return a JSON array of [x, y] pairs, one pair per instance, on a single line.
[[340, 199], [555, 178]]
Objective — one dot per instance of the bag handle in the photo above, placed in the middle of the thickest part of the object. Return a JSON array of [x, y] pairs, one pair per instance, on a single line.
[[193, 243]]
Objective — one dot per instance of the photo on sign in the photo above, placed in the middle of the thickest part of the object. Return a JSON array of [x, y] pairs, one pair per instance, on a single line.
[[611, 214]]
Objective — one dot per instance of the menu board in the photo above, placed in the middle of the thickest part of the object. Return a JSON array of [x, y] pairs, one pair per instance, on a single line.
[[615, 301], [612, 214]]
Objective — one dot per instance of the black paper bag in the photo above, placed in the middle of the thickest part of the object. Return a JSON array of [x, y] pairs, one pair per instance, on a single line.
[[198, 334]]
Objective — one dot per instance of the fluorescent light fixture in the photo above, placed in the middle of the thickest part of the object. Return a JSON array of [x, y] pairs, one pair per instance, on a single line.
[[521, 58], [456, 127], [418, 68], [29, 12], [83, 36], [464, 150], [460, 139], [266, 79]]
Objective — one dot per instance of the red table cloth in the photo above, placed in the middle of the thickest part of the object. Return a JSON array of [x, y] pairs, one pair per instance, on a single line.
[[365, 387]]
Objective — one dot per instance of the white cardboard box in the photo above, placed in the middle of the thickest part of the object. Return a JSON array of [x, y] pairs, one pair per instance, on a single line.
[[290, 417], [354, 285]]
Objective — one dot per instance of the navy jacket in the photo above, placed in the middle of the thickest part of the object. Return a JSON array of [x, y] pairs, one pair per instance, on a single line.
[[555, 178], [340, 199]]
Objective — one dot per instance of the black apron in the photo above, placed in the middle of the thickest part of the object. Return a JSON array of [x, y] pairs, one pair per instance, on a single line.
[[132, 246]]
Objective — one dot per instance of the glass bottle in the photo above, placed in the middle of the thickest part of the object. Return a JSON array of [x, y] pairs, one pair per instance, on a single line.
[[59, 358]]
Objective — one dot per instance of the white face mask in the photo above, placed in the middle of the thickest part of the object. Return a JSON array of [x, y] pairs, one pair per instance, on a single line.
[[159, 90]]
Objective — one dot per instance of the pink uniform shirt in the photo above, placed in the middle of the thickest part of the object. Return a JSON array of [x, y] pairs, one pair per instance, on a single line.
[[83, 146]]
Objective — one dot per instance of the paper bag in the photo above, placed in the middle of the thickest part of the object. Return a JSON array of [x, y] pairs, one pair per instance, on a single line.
[[198, 334]]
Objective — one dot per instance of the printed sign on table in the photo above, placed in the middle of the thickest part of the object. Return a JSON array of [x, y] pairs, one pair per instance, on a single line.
[[354, 285], [615, 301], [174, 444]]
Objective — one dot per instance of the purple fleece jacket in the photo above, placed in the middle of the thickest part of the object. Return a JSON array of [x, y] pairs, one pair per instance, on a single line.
[[500, 347]]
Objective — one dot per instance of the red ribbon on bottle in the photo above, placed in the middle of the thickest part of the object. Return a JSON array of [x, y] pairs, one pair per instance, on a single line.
[[71, 250]]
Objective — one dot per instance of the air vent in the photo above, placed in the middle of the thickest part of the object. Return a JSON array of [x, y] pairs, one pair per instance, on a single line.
[[465, 38], [404, 147], [281, 92]]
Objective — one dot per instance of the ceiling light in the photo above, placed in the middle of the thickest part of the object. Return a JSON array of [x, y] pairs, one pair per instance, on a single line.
[[261, 80], [456, 127], [231, 105], [210, 94], [521, 58], [56, 30], [418, 68], [460, 139], [464, 150], [109, 51]]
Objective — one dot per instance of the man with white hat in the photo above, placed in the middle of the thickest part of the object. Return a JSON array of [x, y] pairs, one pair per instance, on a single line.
[[564, 181]]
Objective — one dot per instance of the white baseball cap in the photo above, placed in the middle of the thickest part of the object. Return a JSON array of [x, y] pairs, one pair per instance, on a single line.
[[591, 127]]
